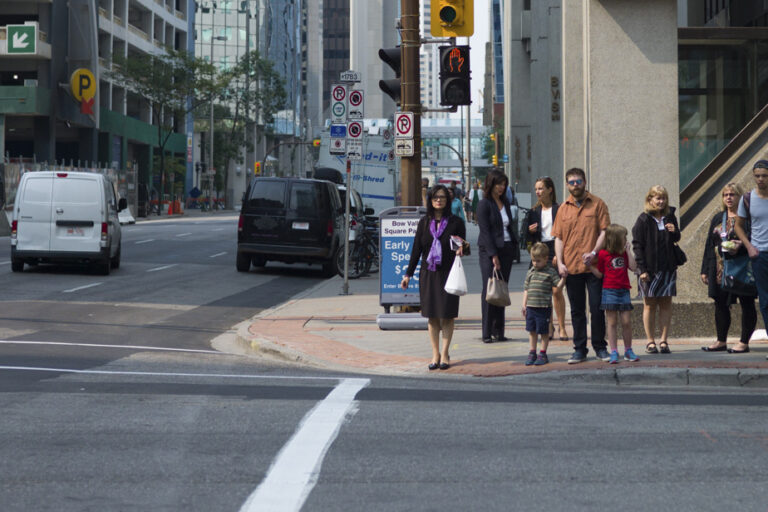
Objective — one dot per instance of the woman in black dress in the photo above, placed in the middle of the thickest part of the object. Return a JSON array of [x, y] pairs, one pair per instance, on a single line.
[[497, 248], [712, 273], [432, 247]]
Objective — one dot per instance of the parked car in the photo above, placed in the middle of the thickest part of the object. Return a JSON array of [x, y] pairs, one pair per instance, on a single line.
[[289, 220], [66, 217]]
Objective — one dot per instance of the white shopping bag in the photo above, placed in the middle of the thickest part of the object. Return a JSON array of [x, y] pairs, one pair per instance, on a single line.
[[457, 281]]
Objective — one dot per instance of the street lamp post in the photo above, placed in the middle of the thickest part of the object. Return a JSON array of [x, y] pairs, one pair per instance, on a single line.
[[211, 168], [461, 159]]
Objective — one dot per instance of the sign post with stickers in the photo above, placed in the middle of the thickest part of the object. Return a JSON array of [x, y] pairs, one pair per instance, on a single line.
[[404, 143], [338, 104]]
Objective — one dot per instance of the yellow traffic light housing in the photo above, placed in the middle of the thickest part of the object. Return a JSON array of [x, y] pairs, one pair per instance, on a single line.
[[495, 160], [452, 18], [257, 168]]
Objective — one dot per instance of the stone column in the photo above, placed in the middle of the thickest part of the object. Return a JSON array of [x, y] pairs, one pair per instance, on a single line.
[[621, 99]]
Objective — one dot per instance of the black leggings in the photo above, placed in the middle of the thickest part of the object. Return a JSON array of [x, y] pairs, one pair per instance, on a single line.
[[723, 317]]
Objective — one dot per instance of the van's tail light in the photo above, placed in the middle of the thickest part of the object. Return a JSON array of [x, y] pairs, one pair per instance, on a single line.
[[240, 222], [329, 228], [14, 228], [352, 224], [104, 232], [61, 175]]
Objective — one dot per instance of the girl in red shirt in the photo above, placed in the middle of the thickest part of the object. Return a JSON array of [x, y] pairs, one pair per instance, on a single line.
[[613, 264]]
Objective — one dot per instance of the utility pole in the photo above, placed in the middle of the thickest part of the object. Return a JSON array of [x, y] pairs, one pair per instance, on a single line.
[[410, 167]]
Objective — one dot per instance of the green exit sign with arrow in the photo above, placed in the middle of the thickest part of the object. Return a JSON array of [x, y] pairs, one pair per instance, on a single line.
[[21, 39]]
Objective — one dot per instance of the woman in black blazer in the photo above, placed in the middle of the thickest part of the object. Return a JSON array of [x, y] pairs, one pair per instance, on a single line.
[[538, 228], [496, 245]]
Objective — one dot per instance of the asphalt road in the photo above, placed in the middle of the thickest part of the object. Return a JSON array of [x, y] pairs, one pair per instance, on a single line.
[[112, 398]]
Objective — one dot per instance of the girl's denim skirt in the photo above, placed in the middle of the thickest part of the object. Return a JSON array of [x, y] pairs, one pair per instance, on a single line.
[[616, 300]]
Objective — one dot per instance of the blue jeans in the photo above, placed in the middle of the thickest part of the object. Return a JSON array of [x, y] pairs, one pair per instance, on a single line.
[[760, 270], [577, 286]]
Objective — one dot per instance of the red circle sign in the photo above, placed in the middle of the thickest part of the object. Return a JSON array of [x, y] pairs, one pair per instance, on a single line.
[[354, 130], [339, 93], [355, 98], [403, 124]]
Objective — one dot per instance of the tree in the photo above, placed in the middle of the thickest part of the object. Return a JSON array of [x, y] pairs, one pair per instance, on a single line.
[[174, 83], [253, 87]]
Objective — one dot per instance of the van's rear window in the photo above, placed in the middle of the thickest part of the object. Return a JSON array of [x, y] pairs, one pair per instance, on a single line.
[[307, 199], [73, 190], [267, 194]]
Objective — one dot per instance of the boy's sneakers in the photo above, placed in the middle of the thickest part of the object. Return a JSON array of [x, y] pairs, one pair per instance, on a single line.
[[542, 359], [629, 355], [614, 358], [577, 357], [531, 359]]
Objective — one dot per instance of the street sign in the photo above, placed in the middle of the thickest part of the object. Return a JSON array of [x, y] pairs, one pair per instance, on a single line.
[[403, 125], [350, 76], [338, 103], [338, 147], [355, 105], [355, 130], [21, 39], [404, 147], [338, 131], [355, 149]]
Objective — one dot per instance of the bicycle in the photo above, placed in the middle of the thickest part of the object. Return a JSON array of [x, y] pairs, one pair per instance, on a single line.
[[363, 252]]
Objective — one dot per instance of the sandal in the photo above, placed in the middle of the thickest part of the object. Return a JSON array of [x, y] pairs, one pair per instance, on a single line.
[[651, 348], [664, 347]]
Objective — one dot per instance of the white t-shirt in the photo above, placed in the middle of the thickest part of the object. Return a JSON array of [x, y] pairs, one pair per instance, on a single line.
[[505, 221], [546, 225], [758, 209]]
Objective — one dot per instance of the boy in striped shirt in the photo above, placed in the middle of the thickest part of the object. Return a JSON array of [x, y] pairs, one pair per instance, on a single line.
[[537, 301]]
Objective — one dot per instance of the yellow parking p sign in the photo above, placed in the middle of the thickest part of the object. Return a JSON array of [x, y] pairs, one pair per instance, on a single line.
[[83, 84]]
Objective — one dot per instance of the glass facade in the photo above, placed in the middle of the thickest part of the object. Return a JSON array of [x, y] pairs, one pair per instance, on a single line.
[[723, 83]]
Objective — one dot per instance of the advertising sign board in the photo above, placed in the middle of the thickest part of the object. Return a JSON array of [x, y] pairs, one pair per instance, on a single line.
[[397, 231]]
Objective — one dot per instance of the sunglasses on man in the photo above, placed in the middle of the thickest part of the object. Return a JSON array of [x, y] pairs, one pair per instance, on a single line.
[[574, 183]]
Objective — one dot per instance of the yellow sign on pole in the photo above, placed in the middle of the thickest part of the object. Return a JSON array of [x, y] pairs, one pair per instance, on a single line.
[[83, 84]]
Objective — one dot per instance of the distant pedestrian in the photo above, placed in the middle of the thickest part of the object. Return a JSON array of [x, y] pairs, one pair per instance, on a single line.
[[538, 228], [456, 206], [721, 230], [755, 239], [431, 246], [540, 280], [496, 244], [475, 196], [579, 231], [612, 267], [653, 238], [424, 189]]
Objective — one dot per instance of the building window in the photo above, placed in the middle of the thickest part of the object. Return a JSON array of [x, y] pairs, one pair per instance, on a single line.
[[207, 34]]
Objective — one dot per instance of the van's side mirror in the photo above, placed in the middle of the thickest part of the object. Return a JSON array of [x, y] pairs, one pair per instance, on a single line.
[[368, 211], [122, 204]]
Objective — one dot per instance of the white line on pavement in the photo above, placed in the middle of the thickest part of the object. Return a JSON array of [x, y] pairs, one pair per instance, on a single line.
[[82, 287], [183, 234], [166, 374], [296, 469], [145, 241], [218, 229], [217, 255], [162, 268], [99, 345]]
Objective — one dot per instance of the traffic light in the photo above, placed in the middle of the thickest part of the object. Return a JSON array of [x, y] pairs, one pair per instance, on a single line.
[[257, 168], [393, 58], [495, 160], [452, 18], [454, 75]]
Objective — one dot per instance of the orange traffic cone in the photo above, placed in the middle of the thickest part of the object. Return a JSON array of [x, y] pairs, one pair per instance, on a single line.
[[170, 208]]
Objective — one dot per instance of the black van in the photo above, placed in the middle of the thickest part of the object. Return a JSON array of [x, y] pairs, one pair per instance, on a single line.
[[289, 220]]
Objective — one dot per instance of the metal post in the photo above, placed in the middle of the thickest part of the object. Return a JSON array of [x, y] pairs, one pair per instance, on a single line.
[[410, 167], [210, 164], [345, 288], [467, 164]]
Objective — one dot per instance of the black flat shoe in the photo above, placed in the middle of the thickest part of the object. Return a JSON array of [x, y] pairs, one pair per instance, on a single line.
[[444, 366], [718, 349], [487, 340], [433, 366], [500, 338], [734, 351]]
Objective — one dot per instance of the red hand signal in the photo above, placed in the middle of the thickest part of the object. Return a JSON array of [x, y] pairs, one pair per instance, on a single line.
[[455, 56]]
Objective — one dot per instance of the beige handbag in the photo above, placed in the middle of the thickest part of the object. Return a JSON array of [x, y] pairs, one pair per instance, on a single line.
[[497, 292]]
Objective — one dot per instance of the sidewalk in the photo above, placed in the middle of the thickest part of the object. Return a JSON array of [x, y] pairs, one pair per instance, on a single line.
[[323, 328]]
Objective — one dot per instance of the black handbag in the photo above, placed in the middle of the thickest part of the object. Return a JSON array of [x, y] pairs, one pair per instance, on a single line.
[[738, 277], [680, 257]]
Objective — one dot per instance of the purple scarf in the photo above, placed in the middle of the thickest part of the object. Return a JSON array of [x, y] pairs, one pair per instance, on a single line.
[[435, 256]]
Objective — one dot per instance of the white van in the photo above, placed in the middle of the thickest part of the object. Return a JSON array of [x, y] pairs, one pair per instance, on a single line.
[[66, 217]]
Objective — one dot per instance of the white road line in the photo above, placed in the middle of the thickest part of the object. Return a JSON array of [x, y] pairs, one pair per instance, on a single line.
[[99, 345], [145, 241], [296, 469], [218, 229], [82, 287], [162, 268], [168, 374], [183, 234], [217, 255]]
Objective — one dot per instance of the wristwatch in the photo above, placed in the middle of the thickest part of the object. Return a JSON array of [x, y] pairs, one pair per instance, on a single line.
[[593, 253]]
